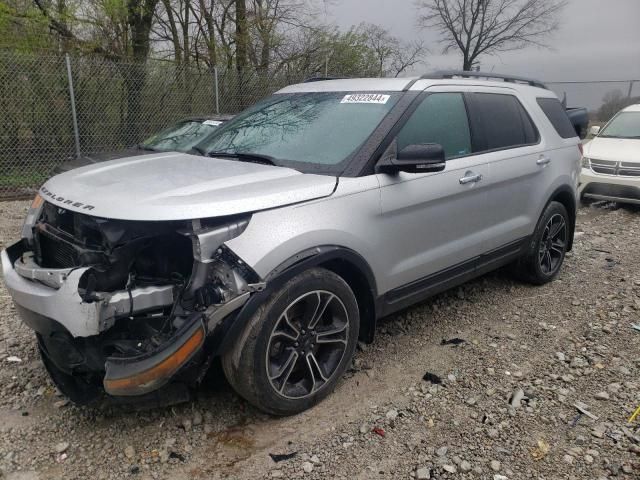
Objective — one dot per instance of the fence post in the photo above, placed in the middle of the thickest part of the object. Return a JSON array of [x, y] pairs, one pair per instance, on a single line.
[[76, 135], [630, 88], [215, 81]]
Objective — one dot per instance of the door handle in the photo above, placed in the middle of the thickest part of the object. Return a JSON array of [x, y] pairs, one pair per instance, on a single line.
[[470, 177], [543, 160]]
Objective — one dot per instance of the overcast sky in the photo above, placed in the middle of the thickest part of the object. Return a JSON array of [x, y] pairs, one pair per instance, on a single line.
[[597, 40]]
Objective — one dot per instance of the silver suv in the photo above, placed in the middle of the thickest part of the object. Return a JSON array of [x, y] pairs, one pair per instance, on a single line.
[[286, 234]]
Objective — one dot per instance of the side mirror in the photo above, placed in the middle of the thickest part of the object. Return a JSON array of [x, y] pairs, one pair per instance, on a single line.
[[418, 158], [595, 130]]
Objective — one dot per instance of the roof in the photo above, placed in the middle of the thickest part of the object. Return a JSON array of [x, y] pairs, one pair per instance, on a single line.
[[401, 84], [488, 75], [351, 85], [632, 108]]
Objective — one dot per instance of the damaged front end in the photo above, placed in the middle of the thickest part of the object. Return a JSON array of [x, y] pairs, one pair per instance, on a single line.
[[126, 306]]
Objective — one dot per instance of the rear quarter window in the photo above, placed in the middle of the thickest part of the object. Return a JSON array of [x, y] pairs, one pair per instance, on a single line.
[[557, 115]]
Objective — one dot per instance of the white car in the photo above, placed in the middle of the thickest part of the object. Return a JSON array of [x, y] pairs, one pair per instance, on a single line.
[[611, 161]]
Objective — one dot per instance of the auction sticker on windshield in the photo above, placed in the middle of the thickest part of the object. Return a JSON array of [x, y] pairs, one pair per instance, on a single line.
[[365, 98]]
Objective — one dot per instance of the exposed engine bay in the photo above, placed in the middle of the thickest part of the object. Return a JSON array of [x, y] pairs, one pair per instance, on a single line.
[[144, 291]]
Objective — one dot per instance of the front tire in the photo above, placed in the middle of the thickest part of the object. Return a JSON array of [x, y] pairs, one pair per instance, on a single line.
[[546, 251], [297, 345], [80, 389]]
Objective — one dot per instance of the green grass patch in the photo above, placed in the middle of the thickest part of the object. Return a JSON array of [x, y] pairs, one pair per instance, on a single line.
[[18, 180]]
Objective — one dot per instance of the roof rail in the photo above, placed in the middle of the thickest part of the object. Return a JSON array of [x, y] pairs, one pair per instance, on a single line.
[[320, 79], [467, 74]]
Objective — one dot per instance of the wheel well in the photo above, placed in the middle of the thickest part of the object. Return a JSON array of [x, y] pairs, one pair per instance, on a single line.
[[363, 291], [567, 199]]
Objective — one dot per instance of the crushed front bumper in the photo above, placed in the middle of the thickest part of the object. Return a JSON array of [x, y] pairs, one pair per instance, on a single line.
[[34, 290], [72, 332]]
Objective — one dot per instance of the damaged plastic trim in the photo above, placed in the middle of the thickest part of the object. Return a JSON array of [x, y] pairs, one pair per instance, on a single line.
[[146, 373], [131, 376], [52, 277], [217, 313]]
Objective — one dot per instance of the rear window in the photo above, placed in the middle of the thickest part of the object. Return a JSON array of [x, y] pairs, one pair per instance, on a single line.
[[557, 115], [506, 123]]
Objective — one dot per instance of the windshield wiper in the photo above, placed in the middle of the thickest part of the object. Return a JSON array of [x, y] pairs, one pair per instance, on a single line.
[[199, 151], [246, 157]]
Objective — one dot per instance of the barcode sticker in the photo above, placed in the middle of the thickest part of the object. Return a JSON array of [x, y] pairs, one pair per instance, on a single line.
[[365, 98]]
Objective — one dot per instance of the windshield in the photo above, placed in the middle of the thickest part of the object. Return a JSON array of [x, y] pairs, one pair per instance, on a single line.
[[623, 125], [316, 130], [180, 137]]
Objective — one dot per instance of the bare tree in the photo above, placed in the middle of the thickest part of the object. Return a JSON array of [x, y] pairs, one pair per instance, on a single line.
[[393, 56], [364, 50], [242, 36], [223, 23], [58, 20], [612, 102], [302, 53], [410, 54], [173, 26], [477, 27], [207, 28], [265, 19]]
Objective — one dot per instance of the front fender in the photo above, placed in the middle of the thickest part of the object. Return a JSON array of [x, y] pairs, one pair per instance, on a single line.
[[349, 218]]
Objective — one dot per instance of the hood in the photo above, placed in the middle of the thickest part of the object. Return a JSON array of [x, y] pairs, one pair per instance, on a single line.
[[179, 186], [89, 159], [106, 156], [614, 149]]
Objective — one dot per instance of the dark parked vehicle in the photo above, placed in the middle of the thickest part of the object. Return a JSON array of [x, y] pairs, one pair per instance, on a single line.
[[579, 117], [179, 137]]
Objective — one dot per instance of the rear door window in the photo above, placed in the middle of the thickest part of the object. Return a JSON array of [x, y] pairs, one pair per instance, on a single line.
[[558, 117], [440, 118], [504, 121]]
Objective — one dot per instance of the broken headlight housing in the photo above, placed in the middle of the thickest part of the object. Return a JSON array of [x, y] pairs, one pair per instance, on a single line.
[[32, 217], [218, 274]]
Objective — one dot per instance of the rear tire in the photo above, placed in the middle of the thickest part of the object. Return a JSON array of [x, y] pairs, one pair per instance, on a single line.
[[547, 248], [297, 345]]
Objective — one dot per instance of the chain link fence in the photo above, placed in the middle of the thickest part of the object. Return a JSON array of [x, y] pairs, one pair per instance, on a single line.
[[56, 107]]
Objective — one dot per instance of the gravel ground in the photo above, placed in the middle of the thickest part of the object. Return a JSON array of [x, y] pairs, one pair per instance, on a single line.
[[500, 402]]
